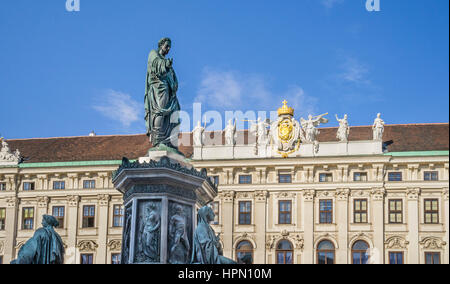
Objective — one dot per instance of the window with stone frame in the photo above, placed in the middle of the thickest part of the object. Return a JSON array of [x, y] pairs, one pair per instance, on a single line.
[[59, 185], [2, 186], [28, 186], [325, 177], [215, 207], [89, 216], [395, 211], [360, 211], [396, 257], [118, 216], [89, 184], [326, 211], [2, 219], [28, 218], [245, 212], [395, 176], [431, 211], [245, 179], [284, 178], [58, 213], [285, 212], [86, 258], [360, 176], [115, 258], [432, 258], [431, 176]]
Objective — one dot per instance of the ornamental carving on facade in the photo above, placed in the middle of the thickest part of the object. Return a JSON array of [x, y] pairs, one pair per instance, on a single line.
[[342, 194], [261, 195], [115, 245], [245, 237], [19, 245], [286, 195], [227, 196], [2, 246], [445, 193], [413, 193], [360, 236], [378, 193], [309, 195], [359, 193], [87, 245], [396, 242], [329, 194], [43, 201], [270, 244], [73, 200], [432, 243], [104, 199], [12, 202], [247, 195]]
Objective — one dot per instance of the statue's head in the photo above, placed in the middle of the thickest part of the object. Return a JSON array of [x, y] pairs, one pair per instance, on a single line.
[[206, 214], [178, 209], [310, 117], [379, 115], [164, 46], [48, 220], [345, 116]]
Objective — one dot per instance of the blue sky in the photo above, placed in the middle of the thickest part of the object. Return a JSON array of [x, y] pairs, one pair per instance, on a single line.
[[68, 73]]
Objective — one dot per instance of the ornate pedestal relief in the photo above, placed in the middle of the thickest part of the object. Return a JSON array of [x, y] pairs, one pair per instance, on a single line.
[[148, 232]]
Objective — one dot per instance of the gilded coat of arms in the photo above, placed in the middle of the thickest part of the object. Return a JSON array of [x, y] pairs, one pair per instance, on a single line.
[[285, 132]]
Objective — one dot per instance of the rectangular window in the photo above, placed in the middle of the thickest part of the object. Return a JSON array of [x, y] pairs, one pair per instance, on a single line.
[[87, 259], [89, 184], [2, 219], [325, 177], [115, 258], [396, 211], [396, 258], [431, 176], [58, 213], [431, 211], [360, 211], [2, 186], [245, 212], [59, 185], [28, 218], [284, 212], [27, 186], [360, 177], [395, 176], [285, 178], [118, 216], [215, 208], [432, 258], [326, 211], [88, 216], [245, 179]]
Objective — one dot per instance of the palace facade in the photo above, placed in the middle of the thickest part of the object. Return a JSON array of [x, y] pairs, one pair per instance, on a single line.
[[356, 201]]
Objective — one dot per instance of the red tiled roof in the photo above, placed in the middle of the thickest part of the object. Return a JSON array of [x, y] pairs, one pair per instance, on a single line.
[[408, 137]]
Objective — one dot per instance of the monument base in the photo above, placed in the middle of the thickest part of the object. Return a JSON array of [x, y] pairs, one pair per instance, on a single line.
[[161, 194]]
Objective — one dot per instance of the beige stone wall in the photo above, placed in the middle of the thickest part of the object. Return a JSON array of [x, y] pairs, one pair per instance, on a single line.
[[413, 237]]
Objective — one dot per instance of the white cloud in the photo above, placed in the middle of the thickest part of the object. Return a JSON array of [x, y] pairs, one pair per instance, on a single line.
[[119, 107], [330, 3], [354, 71], [232, 91]]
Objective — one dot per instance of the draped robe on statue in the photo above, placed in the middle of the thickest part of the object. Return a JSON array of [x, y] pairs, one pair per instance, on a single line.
[[45, 247], [207, 249], [161, 102]]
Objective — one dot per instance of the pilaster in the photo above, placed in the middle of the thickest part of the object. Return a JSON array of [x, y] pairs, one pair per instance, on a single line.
[[103, 212], [72, 229], [378, 195], [342, 223], [227, 215], [413, 225], [308, 221]]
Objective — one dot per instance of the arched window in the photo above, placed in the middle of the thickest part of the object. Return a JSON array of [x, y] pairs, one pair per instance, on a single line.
[[244, 252], [360, 253], [285, 252], [325, 253]]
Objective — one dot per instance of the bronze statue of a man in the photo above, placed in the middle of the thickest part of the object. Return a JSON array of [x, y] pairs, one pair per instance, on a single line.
[[161, 103]]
